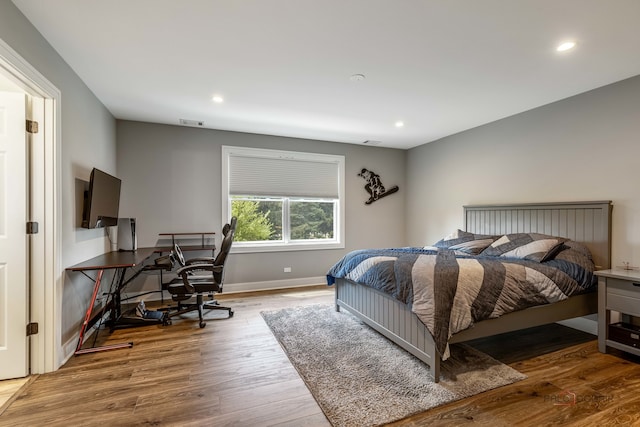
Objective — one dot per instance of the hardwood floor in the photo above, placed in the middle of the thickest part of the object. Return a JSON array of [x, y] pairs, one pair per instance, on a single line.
[[9, 390], [570, 384], [233, 372]]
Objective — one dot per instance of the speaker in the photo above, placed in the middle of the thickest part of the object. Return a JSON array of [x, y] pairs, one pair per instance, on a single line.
[[127, 239]]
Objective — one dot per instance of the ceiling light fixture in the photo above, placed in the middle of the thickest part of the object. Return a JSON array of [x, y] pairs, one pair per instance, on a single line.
[[399, 124], [357, 77], [566, 46], [217, 99]]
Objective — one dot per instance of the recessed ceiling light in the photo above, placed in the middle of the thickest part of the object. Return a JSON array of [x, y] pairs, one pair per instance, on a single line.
[[357, 77], [217, 99], [566, 46], [399, 124]]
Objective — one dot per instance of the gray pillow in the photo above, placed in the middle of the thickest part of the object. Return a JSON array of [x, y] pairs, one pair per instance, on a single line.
[[466, 242], [528, 246]]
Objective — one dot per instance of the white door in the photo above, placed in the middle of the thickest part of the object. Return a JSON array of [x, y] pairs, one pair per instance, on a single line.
[[13, 237]]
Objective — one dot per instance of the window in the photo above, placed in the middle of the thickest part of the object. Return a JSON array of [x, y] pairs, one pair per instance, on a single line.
[[284, 200]]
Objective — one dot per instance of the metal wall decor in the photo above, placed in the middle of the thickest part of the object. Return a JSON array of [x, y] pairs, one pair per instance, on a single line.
[[374, 186]]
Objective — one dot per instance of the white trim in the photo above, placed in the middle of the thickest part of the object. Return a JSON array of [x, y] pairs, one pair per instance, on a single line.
[[69, 347], [274, 284], [47, 250], [284, 247], [233, 288]]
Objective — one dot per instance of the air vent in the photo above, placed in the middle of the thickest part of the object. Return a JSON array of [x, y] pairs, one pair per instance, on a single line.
[[372, 142], [186, 122]]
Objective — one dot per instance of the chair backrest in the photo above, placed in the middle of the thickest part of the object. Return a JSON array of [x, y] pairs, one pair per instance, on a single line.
[[225, 247]]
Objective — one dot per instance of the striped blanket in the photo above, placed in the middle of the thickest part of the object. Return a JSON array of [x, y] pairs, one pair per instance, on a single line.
[[449, 291]]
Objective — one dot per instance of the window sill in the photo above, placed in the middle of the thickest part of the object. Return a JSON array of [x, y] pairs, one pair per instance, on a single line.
[[236, 249]]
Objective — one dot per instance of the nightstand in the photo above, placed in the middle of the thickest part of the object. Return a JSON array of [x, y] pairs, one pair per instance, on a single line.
[[618, 290]]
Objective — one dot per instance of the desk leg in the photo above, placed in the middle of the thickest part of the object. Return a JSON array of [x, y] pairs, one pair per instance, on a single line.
[[116, 309], [87, 317]]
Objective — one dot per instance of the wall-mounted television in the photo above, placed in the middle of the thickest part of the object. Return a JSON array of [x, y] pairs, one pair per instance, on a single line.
[[101, 200]]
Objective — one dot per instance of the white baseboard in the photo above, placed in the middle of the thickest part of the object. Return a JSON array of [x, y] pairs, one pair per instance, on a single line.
[[68, 349], [232, 288], [274, 284]]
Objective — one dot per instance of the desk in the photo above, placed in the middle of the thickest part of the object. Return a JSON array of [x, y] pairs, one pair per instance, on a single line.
[[120, 261]]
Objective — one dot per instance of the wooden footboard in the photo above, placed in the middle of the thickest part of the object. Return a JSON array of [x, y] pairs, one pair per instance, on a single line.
[[391, 318]]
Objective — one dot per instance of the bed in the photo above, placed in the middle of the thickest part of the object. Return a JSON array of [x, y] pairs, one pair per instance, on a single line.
[[588, 223]]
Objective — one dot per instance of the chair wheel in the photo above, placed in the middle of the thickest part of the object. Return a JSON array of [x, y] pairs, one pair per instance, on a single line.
[[202, 325]]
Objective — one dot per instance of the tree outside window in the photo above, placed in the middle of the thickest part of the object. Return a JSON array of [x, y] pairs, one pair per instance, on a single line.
[[261, 219]]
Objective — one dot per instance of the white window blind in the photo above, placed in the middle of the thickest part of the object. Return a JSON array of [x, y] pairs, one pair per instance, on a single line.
[[279, 173]]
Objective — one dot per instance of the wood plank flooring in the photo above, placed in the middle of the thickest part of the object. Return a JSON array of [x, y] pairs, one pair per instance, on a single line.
[[234, 373], [9, 390]]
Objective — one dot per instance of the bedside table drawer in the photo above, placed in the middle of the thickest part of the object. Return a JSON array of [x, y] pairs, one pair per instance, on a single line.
[[625, 334], [623, 296], [626, 287]]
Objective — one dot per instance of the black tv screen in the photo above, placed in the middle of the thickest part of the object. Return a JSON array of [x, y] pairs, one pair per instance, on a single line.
[[102, 200]]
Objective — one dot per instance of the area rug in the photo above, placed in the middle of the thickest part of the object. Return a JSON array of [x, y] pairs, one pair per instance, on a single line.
[[359, 378]]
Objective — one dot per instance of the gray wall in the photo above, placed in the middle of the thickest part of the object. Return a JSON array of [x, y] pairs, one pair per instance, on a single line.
[[172, 182], [582, 148], [88, 140]]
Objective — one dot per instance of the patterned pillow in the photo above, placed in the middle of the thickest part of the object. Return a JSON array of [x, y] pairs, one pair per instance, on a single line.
[[466, 242], [528, 246]]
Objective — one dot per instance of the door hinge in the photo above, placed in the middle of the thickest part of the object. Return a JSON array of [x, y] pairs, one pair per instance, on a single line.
[[32, 227], [32, 328], [32, 126]]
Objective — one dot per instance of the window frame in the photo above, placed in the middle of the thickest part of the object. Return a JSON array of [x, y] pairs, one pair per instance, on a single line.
[[338, 242]]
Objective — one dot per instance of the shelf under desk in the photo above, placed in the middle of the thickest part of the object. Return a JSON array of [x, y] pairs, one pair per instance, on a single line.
[[186, 248], [197, 235]]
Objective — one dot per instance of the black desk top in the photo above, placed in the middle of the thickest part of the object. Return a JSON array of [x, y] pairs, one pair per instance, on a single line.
[[114, 259]]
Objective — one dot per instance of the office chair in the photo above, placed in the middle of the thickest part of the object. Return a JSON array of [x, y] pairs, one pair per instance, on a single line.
[[201, 278]]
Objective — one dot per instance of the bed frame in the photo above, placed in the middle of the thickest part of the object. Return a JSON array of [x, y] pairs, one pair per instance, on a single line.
[[585, 222]]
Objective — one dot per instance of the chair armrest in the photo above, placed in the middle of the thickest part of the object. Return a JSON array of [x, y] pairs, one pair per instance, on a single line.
[[161, 263]]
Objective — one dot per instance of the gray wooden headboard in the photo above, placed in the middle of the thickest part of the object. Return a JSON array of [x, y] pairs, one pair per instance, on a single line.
[[585, 222]]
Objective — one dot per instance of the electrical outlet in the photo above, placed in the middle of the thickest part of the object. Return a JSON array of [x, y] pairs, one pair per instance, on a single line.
[[287, 269]]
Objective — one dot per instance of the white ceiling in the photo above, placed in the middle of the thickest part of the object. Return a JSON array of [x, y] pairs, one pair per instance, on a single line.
[[284, 66]]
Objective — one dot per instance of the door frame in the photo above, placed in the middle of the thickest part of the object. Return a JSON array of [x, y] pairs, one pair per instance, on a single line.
[[46, 246]]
